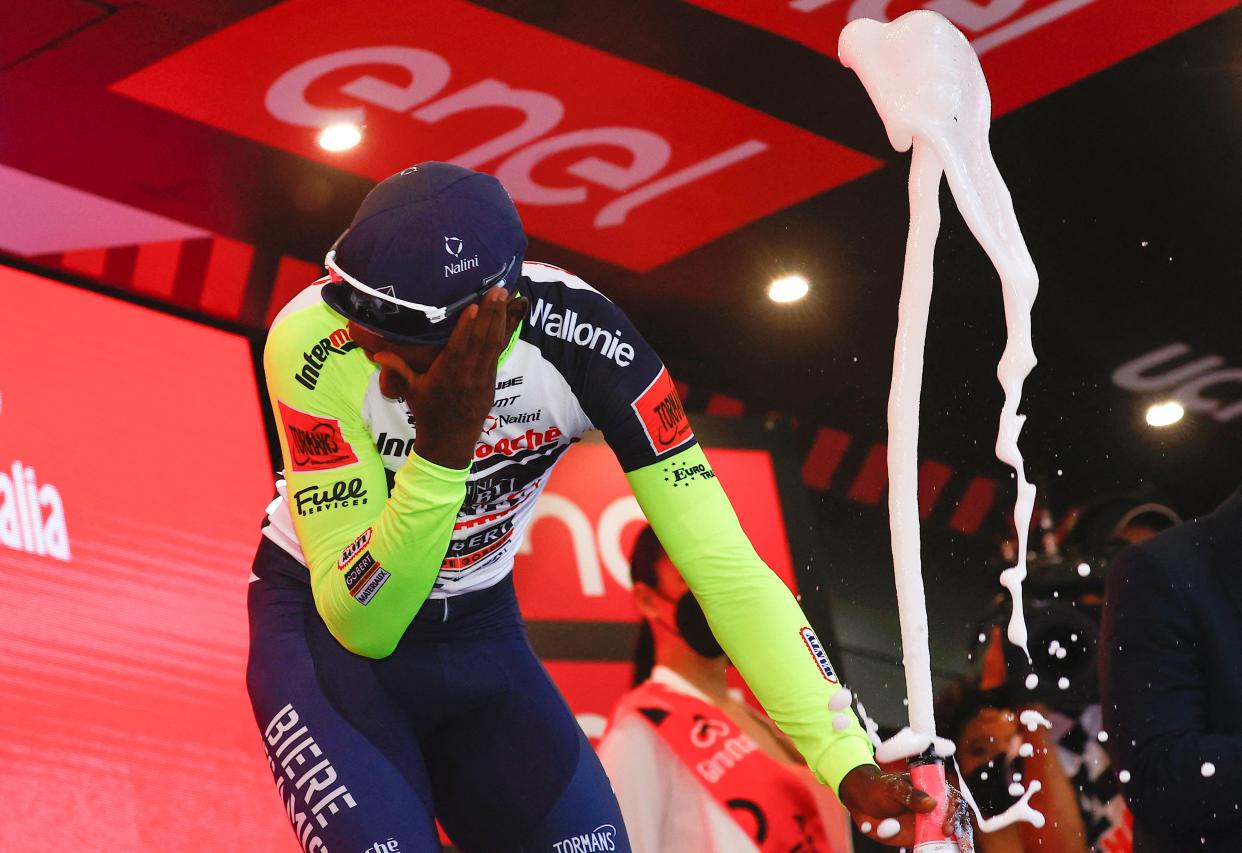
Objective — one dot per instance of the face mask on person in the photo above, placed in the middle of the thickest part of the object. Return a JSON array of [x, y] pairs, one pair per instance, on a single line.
[[691, 625]]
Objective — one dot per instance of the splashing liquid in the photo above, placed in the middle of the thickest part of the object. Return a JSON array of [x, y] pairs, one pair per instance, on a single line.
[[926, 83]]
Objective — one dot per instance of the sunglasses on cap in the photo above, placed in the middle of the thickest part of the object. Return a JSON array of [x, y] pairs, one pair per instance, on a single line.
[[380, 309]]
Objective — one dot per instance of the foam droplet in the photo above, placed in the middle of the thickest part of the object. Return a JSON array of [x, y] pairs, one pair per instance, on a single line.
[[841, 722], [1016, 789], [1063, 683], [840, 700], [1124, 776], [1061, 654], [865, 827], [1026, 750], [1032, 681], [1083, 570], [1208, 770], [1033, 719], [888, 827], [1102, 737]]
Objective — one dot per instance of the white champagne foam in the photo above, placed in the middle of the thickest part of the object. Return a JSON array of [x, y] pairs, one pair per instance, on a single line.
[[888, 828], [926, 83], [908, 743], [1019, 811], [1032, 719]]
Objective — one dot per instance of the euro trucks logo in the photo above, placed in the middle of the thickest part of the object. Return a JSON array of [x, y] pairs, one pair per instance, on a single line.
[[600, 154]]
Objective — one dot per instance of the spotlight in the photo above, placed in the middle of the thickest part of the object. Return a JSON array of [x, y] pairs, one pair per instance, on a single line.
[[1165, 414], [791, 288], [339, 137]]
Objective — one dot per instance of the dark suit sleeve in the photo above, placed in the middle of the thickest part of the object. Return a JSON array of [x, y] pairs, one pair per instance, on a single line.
[[1155, 696]]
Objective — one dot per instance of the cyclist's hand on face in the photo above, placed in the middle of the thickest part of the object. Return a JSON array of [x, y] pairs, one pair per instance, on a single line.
[[451, 399]]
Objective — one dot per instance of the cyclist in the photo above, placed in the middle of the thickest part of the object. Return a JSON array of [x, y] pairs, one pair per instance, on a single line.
[[423, 391]]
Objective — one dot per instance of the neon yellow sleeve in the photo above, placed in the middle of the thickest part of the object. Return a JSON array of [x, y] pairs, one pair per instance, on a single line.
[[373, 557], [751, 612]]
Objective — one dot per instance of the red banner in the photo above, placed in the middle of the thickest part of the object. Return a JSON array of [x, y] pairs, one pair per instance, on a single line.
[[601, 155], [574, 564], [1029, 48], [133, 470]]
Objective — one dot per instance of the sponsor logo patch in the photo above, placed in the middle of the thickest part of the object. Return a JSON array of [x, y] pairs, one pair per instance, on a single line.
[[306, 780], [354, 549], [663, 419], [682, 473], [395, 446], [532, 439], [314, 499], [602, 837], [370, 587], [315, 442], [570, 329], [816, 648], [493, 422], [337, 343], [464, 553], [360, 571]]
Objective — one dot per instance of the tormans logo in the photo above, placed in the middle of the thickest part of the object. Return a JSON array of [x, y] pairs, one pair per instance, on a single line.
[[663, 419], [816, 649], [602, 837], [315, 442]]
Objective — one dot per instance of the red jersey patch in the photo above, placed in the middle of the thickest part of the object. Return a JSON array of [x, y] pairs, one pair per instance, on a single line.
[[663, 419], [315, 442]]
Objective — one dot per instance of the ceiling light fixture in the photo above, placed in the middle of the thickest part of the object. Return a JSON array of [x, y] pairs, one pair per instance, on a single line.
[[339, 137], [790, 288], [1165, 414]]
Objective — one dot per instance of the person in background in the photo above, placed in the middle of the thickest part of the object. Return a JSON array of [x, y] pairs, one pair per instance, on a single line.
[[1063, 598], [1171, 681], [694, 767], [991, 757]]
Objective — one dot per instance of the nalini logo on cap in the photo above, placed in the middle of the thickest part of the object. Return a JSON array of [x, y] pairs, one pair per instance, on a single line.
[[453, 245]]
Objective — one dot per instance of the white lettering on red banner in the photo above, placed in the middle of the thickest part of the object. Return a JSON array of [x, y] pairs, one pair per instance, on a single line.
[[600, 154]]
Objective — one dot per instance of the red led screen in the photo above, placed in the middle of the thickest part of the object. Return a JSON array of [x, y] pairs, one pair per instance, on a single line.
[[1029, 48], [574, 563], [602, 155], [133, 473]]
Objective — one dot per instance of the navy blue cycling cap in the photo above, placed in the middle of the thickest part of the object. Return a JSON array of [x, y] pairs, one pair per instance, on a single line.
[[425, 244]]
